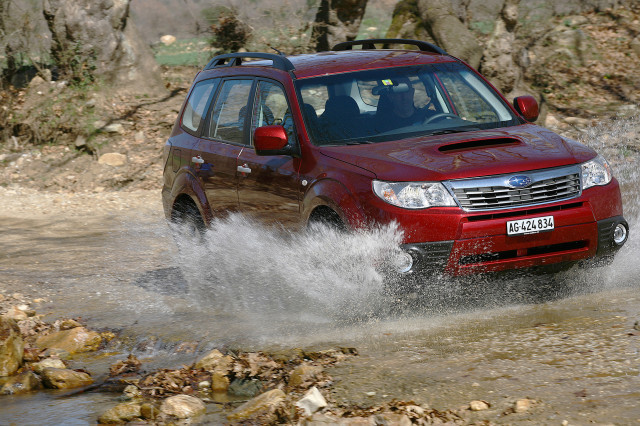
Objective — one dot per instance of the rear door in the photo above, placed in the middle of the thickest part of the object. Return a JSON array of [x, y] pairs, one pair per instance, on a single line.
[[269, 186], [222, 141]]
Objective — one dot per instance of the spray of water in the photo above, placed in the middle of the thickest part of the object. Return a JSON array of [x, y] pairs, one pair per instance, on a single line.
[[318, 275]]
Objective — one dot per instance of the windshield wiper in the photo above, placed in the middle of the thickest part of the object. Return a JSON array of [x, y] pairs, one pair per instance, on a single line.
[[447, 131]]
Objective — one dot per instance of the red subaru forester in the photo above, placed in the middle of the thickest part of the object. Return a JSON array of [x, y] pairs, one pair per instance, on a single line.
[[355, 137]]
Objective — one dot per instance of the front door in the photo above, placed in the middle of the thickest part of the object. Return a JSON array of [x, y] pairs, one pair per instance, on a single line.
[[269, 186]]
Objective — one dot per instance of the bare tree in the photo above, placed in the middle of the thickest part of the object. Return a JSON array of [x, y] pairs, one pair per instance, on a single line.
[[336, 21]]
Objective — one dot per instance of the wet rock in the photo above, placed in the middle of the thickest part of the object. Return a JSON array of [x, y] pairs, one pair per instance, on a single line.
[[209, 361], [478, 405], [523, 405], [11, 347], [58, 378], [67, 324], [75, 340], [121, 413], [22, 383], [311, 402], [38, 367], [15, 314], [149, 411], [113, 159], [263, 406], [183, 406], [303, 373], [131, 392], [219, 382], [246, 388]]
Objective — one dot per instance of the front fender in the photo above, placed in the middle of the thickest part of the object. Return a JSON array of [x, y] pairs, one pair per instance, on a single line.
[[333, 194]]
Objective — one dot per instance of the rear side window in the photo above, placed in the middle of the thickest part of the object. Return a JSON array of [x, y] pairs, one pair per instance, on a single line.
[[197, 103], [230, 111]]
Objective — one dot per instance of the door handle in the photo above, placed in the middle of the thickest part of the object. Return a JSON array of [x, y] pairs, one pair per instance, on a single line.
[[197, 160], [244, 169]]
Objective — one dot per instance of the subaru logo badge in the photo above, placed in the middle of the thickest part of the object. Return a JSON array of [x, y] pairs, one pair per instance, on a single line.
[[519, 181]]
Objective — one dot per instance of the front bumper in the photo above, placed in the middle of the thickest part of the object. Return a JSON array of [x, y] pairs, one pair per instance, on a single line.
[[472, 243]]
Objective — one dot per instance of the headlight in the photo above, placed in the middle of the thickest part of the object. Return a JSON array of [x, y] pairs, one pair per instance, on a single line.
[[596, 172], [413, 195]]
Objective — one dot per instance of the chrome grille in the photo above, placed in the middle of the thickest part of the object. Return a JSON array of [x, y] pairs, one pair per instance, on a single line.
[[494, 193]]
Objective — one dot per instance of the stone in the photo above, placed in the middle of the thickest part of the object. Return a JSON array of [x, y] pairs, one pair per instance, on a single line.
[[139, 137], [311, 402], [209, 361], [394, 419], [11, 347], [68, 324], [80, 142], [523, 405], [113, 159], [219, 382], [635, 45], [114, 128], [15, 314], [121, 413], [168, 39], [262, 405], [149, 411], [551, 121], [22, 383], [47, 363], [303, 373], [183, 406], [478, 405], [75, 340], [245, 387], [59, 378], [131, 392]]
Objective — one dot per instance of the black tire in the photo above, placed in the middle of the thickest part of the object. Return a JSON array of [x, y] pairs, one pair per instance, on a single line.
[[188, 219]]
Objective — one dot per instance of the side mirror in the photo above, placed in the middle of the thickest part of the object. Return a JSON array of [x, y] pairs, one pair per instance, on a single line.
[[272, 140], [528, 107]]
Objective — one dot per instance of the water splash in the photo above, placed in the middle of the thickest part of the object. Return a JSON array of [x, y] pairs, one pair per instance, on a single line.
[[318, 275]]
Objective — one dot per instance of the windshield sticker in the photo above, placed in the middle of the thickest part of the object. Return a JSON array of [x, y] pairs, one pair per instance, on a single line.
[[387, 82]]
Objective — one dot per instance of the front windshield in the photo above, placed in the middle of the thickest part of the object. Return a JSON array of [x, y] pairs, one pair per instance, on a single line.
[[396, 103]]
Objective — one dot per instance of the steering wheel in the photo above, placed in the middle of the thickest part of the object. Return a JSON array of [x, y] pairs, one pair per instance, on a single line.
[[439, 116]]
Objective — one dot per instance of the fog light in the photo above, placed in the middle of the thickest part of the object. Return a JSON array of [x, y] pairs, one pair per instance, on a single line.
[[404, 262], [620, 234]]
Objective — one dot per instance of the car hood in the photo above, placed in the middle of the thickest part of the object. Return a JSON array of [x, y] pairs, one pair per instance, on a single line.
[[462, 155]]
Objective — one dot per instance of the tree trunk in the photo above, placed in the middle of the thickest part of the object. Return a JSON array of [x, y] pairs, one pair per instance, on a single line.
[[93, 39], [337, 21]]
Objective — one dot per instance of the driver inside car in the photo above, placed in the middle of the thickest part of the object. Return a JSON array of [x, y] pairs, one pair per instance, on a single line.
[[396, 106]]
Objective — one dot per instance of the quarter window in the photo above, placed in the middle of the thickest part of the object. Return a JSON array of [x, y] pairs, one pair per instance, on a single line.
[[230, 111], [197, 103]]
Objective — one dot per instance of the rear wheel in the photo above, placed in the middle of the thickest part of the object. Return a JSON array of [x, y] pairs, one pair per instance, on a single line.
[[188, 220]]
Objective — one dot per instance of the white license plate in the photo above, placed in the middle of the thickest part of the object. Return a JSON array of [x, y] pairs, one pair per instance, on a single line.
[[530, 226]]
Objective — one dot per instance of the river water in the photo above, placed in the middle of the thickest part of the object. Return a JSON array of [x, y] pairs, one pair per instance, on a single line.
[[249, 287]]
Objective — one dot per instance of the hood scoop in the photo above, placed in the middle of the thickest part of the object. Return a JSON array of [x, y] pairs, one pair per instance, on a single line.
[[478, 144]]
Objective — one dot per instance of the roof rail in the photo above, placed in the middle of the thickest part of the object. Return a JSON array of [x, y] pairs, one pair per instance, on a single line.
[[370, 44], [233, 59]]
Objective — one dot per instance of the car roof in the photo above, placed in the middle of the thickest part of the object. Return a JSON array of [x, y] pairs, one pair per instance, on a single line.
[[332, 62], [313, 65]]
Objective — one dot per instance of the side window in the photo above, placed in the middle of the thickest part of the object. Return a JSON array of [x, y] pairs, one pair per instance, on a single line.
[[197, 103], [230, 111], [271, 107]]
